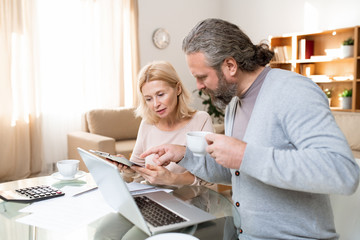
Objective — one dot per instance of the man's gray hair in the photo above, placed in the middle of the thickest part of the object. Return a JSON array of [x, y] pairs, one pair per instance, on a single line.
[[218, 39]]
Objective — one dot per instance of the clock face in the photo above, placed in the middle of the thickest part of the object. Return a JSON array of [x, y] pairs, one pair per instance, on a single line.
[[161, 38]]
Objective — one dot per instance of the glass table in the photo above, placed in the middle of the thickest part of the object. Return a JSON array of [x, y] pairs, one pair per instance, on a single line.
[[111, 225]]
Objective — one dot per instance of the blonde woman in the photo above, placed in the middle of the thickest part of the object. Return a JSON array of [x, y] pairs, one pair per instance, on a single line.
[[166, 118]]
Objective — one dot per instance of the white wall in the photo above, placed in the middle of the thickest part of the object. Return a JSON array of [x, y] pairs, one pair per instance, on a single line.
[[177, 17], [261, 18], [257, 18]]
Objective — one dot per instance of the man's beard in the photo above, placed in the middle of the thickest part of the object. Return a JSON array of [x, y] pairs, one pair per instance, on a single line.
[[223, 94]]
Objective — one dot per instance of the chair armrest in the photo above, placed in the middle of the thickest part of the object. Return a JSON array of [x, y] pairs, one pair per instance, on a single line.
[[88, 141]]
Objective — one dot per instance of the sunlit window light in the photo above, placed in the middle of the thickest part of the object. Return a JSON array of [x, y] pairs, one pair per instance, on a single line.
[[127, 64], [71, 62], [19, 81]]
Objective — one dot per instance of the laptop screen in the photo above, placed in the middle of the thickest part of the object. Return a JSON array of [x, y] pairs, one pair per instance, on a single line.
[[113, 188]]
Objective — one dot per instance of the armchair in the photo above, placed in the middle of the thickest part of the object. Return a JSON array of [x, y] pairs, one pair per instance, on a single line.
[[108, 130], [349, 123]]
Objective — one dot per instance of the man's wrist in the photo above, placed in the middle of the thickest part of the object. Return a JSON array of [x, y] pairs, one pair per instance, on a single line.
[[183, 156], [187, 155]]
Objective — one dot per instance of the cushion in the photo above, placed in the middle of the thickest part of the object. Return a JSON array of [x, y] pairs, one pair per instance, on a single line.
[[356, 154], [125, 147], [119, 123], [349, 124]]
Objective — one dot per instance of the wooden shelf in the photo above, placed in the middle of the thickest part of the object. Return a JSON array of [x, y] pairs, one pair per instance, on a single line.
[[340, 109], [280, 62], [331, 65], [325, 60]]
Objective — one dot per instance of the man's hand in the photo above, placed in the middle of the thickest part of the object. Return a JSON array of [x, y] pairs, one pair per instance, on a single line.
[[156, 174], [164, 154], [227, 151]]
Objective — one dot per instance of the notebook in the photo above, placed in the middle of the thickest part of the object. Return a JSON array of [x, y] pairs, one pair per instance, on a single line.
[[116, 194]]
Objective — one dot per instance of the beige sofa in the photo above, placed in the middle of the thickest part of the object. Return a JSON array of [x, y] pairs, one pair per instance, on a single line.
[[349, 124], [109, 130]]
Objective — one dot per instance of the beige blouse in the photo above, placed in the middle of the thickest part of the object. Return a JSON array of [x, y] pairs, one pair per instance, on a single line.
[[150, 136]]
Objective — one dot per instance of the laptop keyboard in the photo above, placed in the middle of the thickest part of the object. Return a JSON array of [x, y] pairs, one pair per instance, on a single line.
[[155, 214]]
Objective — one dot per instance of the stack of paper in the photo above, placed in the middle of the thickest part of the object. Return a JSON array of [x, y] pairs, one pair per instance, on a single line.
[[79, 207], [66, 213]]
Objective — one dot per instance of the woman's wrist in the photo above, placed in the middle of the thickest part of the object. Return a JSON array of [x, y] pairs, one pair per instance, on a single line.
[[196, 181], [185, 178]]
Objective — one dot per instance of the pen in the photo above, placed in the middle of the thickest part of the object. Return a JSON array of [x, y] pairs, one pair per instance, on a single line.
[[88, 190]]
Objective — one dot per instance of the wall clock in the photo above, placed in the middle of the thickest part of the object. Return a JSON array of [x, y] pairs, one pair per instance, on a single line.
[[161, 38]]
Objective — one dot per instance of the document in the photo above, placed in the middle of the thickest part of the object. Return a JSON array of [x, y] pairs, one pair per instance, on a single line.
[[66, 213], [138, 188], [79, 207]]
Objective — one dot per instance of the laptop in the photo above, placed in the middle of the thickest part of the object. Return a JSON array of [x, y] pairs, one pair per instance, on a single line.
[[174, 213]]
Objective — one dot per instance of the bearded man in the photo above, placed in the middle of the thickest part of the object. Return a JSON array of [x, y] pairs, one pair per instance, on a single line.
[[282, 151]]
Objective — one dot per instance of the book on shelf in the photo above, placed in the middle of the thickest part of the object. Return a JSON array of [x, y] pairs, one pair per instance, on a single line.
[[306, 48], [323, 58], [320, 78], [276, 54], [344, 78], [282, 53], [307, 69], [330, 78]]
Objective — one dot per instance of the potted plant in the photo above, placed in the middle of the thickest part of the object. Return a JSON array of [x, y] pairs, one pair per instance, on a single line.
[[216, 114], [328, 93], [346, 99], [347, 48]]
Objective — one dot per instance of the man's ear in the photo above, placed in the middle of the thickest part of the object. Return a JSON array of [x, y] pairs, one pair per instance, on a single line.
[[230, 66]]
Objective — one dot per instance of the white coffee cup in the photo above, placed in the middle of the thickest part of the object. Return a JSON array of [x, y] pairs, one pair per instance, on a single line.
[[68, 168], [196, 142]]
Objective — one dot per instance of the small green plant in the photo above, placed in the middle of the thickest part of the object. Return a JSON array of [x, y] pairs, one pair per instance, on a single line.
[[348, 42], [346, 93], [328, 92], [210, 108]]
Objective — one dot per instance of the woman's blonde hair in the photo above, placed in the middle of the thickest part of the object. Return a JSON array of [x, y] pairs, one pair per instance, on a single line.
[[163, 71]]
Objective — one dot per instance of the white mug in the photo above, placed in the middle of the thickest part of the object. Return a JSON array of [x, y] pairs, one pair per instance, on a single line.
[[196, 142], [68, 168]]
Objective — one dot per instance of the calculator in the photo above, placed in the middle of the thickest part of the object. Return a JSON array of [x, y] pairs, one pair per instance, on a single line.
[[30, 194]]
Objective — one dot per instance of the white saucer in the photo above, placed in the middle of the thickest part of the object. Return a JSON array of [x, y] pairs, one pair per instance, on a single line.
[[58, 176], [173, 236]]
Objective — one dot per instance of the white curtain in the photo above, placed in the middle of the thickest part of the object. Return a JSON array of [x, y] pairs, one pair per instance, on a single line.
[[20, 141], [59, 58]]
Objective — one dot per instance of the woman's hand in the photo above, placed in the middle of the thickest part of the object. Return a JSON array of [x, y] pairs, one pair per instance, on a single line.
[[156, 174], [122, 168]]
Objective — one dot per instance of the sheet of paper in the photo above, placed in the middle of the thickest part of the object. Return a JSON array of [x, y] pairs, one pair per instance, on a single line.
[[67, 201], [66, 213], [134, 186], [137, 188], [74, 210]]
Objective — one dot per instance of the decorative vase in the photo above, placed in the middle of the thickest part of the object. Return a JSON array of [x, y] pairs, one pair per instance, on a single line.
[[329, 99], [347, 51], [346, 102]]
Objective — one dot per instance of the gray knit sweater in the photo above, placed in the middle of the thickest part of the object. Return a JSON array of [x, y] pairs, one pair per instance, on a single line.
[[295, 156]]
